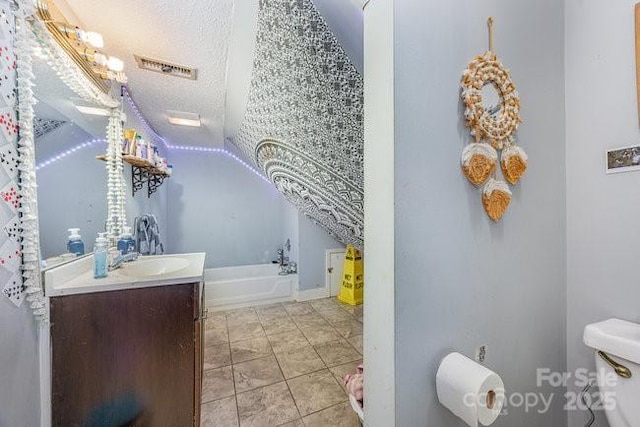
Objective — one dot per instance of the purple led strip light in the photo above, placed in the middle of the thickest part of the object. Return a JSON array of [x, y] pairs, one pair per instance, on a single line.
[[141, 118], [221, 151], [149, 129], [64, 154]]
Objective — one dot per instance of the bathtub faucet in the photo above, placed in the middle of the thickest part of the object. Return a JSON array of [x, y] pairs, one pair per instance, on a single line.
[[286, 267]]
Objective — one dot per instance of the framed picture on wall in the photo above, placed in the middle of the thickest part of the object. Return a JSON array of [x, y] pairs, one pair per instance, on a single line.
[[625, 159]]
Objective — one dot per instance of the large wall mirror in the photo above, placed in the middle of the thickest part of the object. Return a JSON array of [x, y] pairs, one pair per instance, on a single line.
[[66, 112], [72, 184]]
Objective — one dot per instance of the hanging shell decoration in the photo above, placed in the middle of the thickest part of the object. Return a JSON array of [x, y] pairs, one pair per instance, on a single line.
[[493, 128], [513, 162], [479, 162], [497, 128], [496, 197]]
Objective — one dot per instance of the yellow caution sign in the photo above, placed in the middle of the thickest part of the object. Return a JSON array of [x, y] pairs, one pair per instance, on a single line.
[[352, 278]]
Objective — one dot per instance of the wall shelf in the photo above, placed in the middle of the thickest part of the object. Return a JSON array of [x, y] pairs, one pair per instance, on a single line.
[[142, 172]]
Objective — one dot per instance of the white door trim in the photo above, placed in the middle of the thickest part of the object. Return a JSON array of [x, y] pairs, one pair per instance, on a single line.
[[327, 261], [379, 271]]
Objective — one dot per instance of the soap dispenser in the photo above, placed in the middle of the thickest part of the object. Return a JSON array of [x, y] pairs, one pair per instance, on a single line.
[[100, 256], [126, 244], [74, 243]]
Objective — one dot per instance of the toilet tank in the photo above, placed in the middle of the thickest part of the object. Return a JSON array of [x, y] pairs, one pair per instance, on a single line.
[[617, 342], [615, 337]]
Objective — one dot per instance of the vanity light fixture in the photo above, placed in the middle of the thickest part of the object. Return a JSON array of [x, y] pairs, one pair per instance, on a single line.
[[101, 60], [119, 77], [115, 64], [90, 38], [182, 118], [91, 55]]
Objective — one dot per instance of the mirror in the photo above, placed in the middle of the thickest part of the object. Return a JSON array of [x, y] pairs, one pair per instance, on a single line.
[[72, 184], [55, 83], [491, 99]]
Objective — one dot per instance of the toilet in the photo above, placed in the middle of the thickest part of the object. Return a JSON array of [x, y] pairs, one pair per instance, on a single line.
[[617, 350]]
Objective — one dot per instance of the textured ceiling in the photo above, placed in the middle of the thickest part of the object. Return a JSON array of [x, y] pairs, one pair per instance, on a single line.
[[195, 33]]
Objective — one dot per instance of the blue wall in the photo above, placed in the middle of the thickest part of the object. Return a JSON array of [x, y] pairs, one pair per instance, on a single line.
[[461, 280]]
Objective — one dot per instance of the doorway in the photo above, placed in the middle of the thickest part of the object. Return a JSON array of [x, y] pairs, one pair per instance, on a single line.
[[334, 267]]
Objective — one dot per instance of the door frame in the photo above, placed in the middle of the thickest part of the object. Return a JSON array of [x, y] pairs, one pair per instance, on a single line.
[[379, 214]]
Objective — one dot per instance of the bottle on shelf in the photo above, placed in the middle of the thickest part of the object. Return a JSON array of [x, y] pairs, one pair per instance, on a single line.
[[150, 152], [75, 245], [141, 147], [129, 140]]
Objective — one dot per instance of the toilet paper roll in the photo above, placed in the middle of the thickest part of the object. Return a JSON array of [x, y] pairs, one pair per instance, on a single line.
[[469, 390]]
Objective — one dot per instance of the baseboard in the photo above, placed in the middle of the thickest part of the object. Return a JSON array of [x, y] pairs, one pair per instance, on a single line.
[[311, 294], [213, 306]]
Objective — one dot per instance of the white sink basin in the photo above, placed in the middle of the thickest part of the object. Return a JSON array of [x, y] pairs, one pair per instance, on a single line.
[[153, 267], [76, 277]]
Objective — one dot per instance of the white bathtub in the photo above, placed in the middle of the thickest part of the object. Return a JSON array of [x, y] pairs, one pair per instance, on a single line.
[[235, 287]]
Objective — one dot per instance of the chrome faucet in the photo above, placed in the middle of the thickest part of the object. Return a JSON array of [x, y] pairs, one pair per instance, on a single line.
[[286, 267], [121, 259]]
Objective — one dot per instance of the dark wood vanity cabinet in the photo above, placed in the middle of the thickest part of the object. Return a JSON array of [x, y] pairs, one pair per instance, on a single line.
[[127, 357]]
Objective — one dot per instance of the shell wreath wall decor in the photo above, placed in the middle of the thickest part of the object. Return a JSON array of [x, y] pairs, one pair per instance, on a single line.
[[494, 128], [303, 125]]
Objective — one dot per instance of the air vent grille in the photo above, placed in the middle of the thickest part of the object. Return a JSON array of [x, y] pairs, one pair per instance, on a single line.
[[166, 68]]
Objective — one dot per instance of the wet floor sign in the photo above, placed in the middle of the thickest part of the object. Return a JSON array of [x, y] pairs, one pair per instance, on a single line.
[[352, 286]]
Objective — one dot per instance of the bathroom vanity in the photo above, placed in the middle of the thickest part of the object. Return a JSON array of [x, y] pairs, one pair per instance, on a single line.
[[126, 350]]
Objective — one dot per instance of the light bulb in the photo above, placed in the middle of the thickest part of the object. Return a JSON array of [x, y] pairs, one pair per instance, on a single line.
[[92, 38], [115, 64], [100, 59]]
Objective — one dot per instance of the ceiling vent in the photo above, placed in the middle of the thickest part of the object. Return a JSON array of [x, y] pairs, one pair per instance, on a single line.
[[166, 68]]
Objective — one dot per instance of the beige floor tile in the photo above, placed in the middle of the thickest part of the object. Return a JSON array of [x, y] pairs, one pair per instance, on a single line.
[[242, 315], [288, 341], [320, 334], [337, 352], [340, 371], [341, 415], [298, 308], [296, 423], [217, 383], [215, 321], [301, 361], [245, 330], [215, 336], [256, 373], [279, 325], [219, 413], [348, 328], [324, 303], [316, 391], [351, 309], [335, 315], [309, 320], [356, 341], [270, 312], [267, 406], [216, 356], [242, 351]]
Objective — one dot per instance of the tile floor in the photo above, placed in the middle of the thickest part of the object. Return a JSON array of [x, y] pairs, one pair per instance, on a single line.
[[281, 365]]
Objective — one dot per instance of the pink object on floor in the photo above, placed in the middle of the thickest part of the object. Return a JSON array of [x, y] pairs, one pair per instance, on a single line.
[[354, 383]]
